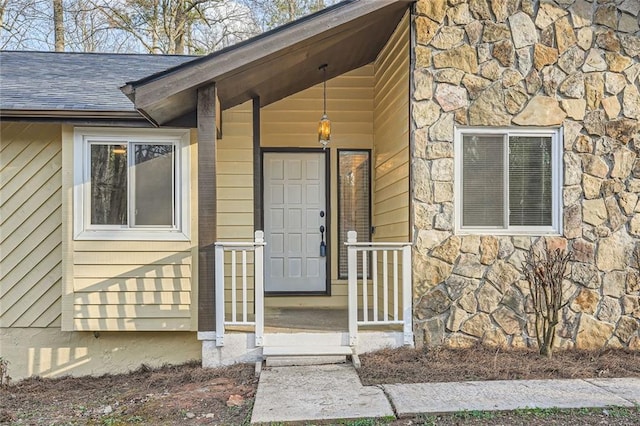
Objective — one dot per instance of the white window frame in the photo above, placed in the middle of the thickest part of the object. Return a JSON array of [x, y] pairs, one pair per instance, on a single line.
[[556, 180], [84, 230]]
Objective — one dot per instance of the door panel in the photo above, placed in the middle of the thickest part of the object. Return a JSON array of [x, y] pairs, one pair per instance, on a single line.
[[294, 196]]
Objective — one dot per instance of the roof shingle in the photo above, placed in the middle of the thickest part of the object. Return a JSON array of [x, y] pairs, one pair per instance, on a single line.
[[47, 81]]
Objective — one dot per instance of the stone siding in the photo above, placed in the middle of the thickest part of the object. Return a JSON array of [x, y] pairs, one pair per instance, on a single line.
[[510, 63]]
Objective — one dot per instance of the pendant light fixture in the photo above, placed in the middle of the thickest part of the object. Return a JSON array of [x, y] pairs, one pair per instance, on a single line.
[[324, 127]]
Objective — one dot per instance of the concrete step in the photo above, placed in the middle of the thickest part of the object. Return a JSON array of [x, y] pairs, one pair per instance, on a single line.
[[311, 350], [289, 361], [281, 356], [306, 339]]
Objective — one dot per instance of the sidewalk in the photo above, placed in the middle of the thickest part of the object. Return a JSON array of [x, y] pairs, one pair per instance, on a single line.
[[333, 392]]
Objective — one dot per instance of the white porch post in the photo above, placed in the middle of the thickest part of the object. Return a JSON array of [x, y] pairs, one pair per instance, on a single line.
[[352, 262], [258, 261], [407, 296], [219, 291]]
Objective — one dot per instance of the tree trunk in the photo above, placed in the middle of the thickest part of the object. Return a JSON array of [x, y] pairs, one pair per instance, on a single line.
[[179, 29], [58, 25]]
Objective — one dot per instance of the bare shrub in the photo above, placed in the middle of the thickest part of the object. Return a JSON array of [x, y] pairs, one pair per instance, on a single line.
[[4, 372], [545, 269]]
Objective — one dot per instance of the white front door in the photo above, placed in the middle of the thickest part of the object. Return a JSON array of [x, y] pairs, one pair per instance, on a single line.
[[294, 211]]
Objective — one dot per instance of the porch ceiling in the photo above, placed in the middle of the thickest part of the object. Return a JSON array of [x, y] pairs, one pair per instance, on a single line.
[[273, 65]]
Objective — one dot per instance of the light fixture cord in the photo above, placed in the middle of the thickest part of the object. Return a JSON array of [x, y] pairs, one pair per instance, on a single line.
[[325, 89]]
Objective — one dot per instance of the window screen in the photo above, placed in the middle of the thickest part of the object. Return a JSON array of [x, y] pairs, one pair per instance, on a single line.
[[530, 191], [354, 182], [153, 176]]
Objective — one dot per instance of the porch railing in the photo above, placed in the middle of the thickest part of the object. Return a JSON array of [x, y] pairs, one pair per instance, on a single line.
[[386, 293], [240, 315]]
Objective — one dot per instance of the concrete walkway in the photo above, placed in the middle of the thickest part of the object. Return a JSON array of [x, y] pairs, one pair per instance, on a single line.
[[333, 392], [502, 395], [318, 392]]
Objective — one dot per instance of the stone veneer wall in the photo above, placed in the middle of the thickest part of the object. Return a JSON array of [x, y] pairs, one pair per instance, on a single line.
[[569, 63]]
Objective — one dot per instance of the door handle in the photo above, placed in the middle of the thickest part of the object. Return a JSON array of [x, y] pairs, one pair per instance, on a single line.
[[323, 245]]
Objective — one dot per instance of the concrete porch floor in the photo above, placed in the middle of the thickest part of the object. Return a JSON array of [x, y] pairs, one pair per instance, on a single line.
[[308, 319], [292, 320]]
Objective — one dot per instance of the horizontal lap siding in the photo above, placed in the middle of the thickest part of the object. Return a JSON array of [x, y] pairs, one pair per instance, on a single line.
[[30, 224], [234, 181], [391, 151], [142, 286], [391, 146]]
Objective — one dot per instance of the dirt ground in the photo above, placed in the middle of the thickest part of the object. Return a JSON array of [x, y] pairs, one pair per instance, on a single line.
[[170, 395], [188, 394]]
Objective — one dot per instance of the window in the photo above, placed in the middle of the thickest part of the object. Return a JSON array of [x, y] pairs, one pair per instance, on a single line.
[[354, 183], [131, 185], [508, 181]]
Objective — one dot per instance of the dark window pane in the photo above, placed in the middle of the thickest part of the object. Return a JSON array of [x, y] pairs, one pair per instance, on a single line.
[[153, 174], [530, 182], [483, 181], [353, 198], [108, 184]]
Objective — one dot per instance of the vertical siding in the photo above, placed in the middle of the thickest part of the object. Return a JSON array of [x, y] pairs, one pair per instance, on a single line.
[[391, 139], [30, 224]]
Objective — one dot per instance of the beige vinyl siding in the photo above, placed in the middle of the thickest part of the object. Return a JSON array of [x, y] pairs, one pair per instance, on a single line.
[[391, 140], [234, 179], [127, 285], [391, 151], [234, 175], [30, 223], [134, 286], [293, 122]]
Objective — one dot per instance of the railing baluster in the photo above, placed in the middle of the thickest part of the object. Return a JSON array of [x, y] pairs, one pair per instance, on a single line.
[[406, 296], [374, 262], [352, 264], [244, 285], [395, 285], [219, 291], [365, 285], [234, 301], [385, 286], [259, 285]]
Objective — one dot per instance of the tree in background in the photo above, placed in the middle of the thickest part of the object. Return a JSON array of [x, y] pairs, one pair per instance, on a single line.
[[273, 13], [58, 25], [25, 24], [142, 26]]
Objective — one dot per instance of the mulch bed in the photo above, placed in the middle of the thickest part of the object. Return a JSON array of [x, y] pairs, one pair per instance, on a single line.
[[407, 365]]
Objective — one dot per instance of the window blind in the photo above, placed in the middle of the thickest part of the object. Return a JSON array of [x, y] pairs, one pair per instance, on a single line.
[[483, 183]]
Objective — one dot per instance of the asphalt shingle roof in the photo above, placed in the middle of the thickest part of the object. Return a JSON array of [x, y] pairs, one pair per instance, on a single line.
[[74, 81]]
